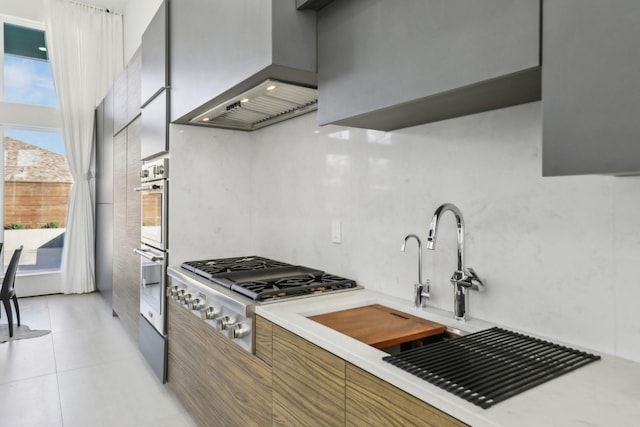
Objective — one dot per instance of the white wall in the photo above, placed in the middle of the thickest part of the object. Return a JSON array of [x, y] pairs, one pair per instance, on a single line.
[[26, 9], [210, 193], [558, 254]]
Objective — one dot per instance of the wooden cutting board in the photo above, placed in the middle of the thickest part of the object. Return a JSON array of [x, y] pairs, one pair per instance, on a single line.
[[379, 326]]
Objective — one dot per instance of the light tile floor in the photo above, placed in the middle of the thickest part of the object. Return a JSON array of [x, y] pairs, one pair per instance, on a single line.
[[87, 372]]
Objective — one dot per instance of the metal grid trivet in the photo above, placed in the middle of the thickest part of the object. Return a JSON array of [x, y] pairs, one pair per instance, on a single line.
[[490, 366]]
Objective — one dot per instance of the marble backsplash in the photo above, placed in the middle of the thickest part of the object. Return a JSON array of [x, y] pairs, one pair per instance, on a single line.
[[557, 254]]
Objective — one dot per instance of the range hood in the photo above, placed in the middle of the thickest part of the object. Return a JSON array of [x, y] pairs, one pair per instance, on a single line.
[[241, 64], [269, 102]]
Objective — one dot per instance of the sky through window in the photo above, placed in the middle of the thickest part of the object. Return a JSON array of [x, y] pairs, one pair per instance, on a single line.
[[28, 81]]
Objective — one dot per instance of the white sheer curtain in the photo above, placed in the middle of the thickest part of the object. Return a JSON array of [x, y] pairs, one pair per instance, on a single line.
[[86, 55]]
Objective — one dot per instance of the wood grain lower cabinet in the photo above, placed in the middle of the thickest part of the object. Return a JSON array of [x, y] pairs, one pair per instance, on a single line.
[[219, 383], [312, 387], [185, 362], [308, 383], [372, 401], [264, 340], [126, 227]]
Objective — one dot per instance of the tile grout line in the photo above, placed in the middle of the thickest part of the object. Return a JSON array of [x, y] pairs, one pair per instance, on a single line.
[[123, 356], [55, 363]]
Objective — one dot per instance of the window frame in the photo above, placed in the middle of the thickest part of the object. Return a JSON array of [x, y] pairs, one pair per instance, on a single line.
[[23, 116]]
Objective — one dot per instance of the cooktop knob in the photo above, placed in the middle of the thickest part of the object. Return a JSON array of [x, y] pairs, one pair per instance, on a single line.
[[197, 303], [187, 298], [177, 295], [238, 330], [210, 313], [223, 322]]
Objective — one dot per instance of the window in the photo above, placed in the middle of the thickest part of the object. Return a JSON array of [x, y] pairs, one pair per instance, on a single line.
[[37, 181], [27, 72]]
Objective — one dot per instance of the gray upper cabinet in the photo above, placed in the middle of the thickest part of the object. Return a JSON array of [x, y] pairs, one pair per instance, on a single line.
[[591, 101], [387, 65], [126, 94], [120, 103], [155, 82], [154, 48], [221, 48], [134, 69], [155, 126]]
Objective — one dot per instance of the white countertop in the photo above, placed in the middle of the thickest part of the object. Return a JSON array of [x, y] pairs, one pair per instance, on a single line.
[[602, 393]]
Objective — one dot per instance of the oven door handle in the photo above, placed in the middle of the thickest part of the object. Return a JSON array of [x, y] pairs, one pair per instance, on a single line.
[[148, 188], [144, 253]]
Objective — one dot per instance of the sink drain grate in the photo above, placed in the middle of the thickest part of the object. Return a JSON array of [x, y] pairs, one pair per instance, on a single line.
[[490, 366]]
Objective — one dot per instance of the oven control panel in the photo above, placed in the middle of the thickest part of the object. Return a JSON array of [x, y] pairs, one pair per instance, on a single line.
[[155, 170]]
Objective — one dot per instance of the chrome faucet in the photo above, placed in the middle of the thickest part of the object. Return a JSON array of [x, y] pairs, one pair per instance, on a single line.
[[463, 278], [420, 290]]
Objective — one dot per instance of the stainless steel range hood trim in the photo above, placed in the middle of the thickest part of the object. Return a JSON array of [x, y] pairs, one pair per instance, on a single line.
[[256, 107]]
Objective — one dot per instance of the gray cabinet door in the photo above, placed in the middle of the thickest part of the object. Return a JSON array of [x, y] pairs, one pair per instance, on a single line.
[[155, 126], [155, 55], [104, 150], [590, 91], [120, 114], [126, 94], [104, 197], [104, 250], [133, 86], [386, 65]]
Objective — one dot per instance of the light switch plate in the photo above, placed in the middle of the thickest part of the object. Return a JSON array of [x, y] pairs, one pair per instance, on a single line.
[[336, 231]]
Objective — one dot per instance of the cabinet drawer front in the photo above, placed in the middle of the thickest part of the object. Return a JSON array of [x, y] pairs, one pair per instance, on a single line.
[[308, 383], [371, 401], [220, 383]]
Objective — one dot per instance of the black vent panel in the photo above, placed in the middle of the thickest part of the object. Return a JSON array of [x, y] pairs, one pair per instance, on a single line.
[[490, 366]]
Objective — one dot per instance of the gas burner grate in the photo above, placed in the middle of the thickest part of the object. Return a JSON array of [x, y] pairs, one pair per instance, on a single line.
[[210, 268], [292, 286], [490, 366]]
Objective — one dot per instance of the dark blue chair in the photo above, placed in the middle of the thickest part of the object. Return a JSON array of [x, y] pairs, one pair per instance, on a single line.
[[8, 292]]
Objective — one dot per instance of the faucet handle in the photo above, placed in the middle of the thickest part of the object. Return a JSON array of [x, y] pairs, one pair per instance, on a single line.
[[468, 279], [476, 283], [421, 294]]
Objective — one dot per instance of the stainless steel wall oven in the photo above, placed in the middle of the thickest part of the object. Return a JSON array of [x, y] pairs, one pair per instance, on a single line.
[[153, 267], [153, 263], [154, 194]]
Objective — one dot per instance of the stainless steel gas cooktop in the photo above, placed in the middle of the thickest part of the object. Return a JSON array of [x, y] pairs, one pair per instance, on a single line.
[[224, 292], [263, 279]]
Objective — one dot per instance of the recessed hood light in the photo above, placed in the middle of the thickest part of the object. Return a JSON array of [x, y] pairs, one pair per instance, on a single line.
[[265, 104]]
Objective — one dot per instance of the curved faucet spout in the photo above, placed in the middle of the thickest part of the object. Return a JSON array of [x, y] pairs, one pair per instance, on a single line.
[[433, 230], [463, 279], [404, 246], [420, 290]]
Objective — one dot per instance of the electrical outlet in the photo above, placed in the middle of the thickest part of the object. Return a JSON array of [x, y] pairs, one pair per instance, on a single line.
[[336, 231]]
